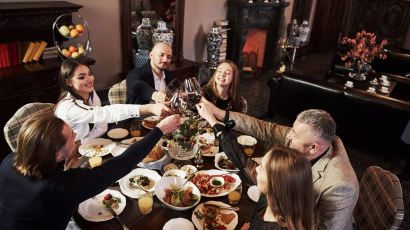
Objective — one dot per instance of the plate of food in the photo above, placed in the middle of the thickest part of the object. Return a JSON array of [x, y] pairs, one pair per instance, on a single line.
[[175, 172], [150, 122], [169, 191], [119, 148], [138, 181], [117, 133], [214, 215], [203, 178], [96, 147], [206, 143], [222, 162], [95, 210]]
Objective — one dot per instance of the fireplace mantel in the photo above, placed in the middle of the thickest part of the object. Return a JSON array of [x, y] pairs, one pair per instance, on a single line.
[[242, 16]]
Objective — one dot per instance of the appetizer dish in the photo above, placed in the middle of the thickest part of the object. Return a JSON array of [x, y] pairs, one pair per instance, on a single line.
[[111, 201], [214, 215], [203, 180], [179, 197]]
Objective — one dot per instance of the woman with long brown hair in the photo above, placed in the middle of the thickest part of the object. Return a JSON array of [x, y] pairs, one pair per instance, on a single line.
[[223, 88], [284, 178]]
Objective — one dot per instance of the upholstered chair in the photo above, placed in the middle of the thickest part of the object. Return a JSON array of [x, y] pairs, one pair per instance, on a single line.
[[118, 93]]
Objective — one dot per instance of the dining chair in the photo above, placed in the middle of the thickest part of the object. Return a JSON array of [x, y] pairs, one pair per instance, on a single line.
[[380, 203], [118, 93], [12, 127]]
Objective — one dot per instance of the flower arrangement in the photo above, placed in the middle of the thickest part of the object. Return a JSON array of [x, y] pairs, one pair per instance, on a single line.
[[185, 134], [362, 49]]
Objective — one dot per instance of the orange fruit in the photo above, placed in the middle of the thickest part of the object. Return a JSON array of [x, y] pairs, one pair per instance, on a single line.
[[80, 28], [72, 49], [74, 33], [70, 27], [67, 54]]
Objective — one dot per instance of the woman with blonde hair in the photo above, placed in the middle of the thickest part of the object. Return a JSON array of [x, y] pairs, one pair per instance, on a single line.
[[223, 88]]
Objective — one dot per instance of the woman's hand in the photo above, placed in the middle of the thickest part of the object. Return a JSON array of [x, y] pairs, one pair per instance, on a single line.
[[203, 110], [169, 124], [159, 96], [158, 109], [216, 112]]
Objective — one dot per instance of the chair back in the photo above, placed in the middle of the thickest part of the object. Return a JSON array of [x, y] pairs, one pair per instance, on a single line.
[[380, 204], [12, 127], [118, 93]]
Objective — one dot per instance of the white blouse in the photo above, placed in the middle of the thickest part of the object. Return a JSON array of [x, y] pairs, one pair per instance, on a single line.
[[78, 115]]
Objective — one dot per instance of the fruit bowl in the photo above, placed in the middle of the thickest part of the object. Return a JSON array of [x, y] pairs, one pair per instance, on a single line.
[[71, 36]]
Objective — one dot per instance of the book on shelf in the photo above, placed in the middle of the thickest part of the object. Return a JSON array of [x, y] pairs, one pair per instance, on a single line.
[[40, 50], [34, 51], [28, 51]]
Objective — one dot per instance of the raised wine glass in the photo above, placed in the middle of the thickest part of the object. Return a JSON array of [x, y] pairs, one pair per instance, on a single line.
[[193, 91]]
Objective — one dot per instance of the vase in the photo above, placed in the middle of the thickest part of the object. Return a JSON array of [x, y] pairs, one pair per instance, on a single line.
[[144, 35], [141, 58], [163, 34], [214, 41], [178, 152], [361, 70]]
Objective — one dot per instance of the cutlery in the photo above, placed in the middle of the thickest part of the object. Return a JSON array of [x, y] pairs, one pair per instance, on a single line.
[[117, 218], [223, 207], [189, 178]]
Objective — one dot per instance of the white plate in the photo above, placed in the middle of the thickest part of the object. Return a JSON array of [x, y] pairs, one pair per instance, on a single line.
[[87, 149], [119, 149], [210, 139], [189, 169], [212, 152], [178, 224], [219, 156], [175, 172], [198, 223], [166, 182], [219, 172], [117, 133], [93, 209], [254, 193], [135, 193], [150, 118]]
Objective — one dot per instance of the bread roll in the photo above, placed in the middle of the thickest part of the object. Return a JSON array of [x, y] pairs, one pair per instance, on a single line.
[[95, 161], [155, 154]]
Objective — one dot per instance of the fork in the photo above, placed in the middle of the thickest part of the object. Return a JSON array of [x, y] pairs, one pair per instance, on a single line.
[[117, 218]]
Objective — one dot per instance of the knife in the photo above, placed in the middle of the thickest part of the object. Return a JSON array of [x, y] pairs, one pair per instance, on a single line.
[[116, 217]]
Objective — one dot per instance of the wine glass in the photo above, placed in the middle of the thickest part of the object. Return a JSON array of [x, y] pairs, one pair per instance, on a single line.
[[175, 86], [193, 91]]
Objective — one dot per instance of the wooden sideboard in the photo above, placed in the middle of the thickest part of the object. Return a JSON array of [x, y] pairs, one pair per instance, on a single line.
[[32, 82]]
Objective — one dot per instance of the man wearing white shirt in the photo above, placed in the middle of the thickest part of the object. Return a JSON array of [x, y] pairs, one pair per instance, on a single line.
[[150, 80]]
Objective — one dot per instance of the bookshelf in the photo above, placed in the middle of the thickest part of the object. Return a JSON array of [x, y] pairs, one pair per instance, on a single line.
[[36, 81]]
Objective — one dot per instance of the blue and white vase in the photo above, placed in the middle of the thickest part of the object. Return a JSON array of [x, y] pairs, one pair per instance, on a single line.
[[141, 58], [163, 34], [213, 41], [144, 35]]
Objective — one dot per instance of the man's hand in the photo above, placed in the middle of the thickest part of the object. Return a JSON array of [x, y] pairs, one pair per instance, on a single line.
[[169, 124], [73, 157], [158, 96], [158, 109]]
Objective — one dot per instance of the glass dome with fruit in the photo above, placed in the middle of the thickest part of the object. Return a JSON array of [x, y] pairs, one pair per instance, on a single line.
[[182, 141], [71, 36]]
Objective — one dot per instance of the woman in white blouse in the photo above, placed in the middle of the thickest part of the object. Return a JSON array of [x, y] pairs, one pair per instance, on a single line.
[[80, 107]]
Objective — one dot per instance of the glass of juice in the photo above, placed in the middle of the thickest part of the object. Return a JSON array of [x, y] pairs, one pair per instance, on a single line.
[[145, 203], [135, 128], [234, 196]]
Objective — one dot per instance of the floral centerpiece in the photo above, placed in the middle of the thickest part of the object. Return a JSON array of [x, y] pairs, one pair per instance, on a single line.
[[182, 141], [361, 50]]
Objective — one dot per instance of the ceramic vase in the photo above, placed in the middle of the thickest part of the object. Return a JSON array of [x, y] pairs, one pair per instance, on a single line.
[[144, 35], [214, 41], [141, 58], [163, 34]]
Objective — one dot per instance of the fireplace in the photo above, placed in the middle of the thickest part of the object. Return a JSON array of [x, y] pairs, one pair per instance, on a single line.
[[258, 18]]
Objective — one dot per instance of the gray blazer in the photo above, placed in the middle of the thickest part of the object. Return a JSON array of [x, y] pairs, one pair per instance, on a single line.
[[335, 185]]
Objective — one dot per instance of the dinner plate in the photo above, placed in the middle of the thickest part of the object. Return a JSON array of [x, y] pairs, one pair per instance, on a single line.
[[93, 209], [217, 172], [150, 118], [198, 223], [135, 192], [218, 157], [178, 224], [117, 133], [91, 148], [123, 145]]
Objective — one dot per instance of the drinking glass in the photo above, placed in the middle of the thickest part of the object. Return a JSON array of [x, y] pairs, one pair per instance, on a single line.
[[193, 91], [135, 128], [174, 87], [234, 196], [145, 203], [249, 146]]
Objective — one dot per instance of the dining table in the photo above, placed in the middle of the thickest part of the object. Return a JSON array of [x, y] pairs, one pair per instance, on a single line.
[[132, 217]]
